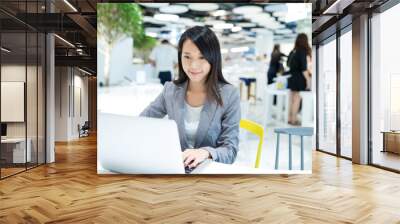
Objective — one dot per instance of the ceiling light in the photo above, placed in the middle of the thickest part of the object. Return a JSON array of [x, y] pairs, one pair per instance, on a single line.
[[279, 14], [257, 15], [239, 49], [221, 26], [297, 12], [203, 7], [276, 8], [166, 17], [174, 9], [84, 71], [246, 25], [5, 49], [236, 29], [224, 51], [219, 13], [65, 41], [247, 9], [283, 31], [70, 5]]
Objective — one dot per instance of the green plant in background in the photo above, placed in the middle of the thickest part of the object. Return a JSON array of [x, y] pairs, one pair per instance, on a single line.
[[144, 49], [116, 21]]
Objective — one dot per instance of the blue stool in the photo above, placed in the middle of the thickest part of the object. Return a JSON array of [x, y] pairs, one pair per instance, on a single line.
[[301, 131], [247, 83]]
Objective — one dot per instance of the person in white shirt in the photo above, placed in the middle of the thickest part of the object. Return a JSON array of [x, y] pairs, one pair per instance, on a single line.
[[164, 57]]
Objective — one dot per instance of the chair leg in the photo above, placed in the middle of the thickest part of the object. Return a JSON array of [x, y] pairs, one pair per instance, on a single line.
[[302, 153], [277, 152], [290, 151]]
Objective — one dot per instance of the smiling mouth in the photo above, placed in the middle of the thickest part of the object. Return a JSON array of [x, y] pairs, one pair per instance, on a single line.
[[195, 73]]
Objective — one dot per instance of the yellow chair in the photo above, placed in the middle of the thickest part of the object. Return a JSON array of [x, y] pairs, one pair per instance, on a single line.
[[256, 129]]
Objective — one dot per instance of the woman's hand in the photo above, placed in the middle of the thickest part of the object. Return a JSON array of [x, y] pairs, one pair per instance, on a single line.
[[192, 157]]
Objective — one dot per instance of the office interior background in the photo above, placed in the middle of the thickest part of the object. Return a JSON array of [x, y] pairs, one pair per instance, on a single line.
[[39, 108], [247, 34], [48, 62]]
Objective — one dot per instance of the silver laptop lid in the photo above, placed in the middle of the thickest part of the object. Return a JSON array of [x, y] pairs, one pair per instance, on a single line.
[[138, 145]]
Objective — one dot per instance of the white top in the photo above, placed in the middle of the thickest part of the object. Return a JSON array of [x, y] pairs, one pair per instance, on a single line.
[[192, 119], [165, 57]]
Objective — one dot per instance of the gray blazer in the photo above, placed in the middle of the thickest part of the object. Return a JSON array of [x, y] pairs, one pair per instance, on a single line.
[[218, 130]]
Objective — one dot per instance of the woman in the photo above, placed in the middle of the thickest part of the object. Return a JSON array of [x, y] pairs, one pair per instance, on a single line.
[[275, 64], [204, 105], [299, 63]]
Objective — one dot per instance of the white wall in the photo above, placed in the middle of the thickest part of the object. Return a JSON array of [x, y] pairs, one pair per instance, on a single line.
[[120, 61], [264, 42], [71, 93]]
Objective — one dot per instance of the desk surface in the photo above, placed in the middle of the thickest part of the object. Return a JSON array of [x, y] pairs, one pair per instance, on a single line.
[[211, 167], [391, 132], [13, 140]]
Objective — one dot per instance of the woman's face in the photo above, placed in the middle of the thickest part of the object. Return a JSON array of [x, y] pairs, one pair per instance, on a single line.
[[194, 64]]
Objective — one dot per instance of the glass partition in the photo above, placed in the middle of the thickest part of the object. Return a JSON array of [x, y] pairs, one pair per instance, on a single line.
[[385, 89], [22, 78], [327, 96], [346, 94], [13, 105]]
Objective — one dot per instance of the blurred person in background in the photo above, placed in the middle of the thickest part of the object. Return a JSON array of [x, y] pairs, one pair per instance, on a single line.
[[164, 57], [275, 65], [300, 71]]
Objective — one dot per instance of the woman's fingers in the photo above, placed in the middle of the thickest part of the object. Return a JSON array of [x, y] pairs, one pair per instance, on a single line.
[[194, 157], [189, 159], [196, 162], [186, 153]]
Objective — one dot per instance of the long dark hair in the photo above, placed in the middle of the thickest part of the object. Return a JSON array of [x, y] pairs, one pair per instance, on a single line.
[[302, 43], [276, 49], [208, 44]]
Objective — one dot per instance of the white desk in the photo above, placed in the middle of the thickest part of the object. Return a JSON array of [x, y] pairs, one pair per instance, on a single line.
[[211, 167], [282, 103], [19, 149], [307, 111]]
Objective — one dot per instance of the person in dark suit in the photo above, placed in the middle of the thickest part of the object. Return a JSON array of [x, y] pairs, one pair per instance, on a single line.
[[275, 64]]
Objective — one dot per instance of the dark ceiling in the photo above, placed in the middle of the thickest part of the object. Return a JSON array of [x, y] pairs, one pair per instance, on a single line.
[[76, 24]]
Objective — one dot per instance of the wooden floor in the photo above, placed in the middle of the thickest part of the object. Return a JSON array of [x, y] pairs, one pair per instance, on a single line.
[[70, 191]]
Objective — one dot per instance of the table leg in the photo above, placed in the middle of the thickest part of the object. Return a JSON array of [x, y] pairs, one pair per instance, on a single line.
[[248, 92], [290, 151], [268, 108], [286, 111], [277, 152], [279, 105], [302, 152]]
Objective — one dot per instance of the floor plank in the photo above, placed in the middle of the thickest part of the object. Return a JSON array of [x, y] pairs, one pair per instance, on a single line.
[[70, 191]]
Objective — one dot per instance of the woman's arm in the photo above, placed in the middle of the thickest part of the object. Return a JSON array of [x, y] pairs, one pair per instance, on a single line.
[[228, 140], [157, 108], [307, 73]]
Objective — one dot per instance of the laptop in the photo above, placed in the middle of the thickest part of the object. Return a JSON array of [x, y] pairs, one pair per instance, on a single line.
[[139, 145]]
